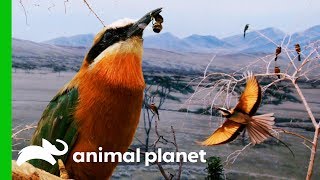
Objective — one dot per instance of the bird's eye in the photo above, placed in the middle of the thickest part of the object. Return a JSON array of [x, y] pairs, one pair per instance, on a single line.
[[107, 35]]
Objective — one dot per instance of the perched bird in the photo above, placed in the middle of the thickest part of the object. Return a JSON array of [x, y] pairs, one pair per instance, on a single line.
[[277, 70], [245, 30], [278, 51], [101, 105], [298, 50], [154, 109], [242, 117]]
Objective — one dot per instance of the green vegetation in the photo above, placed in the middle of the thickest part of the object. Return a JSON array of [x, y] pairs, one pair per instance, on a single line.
[[214, 168]]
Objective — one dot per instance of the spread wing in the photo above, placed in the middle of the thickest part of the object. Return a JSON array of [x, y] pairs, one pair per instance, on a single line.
[[224, 134], [250, 98], [57, 122]]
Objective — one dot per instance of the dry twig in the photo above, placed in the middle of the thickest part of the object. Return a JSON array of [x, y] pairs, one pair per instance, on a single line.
[[85, 1]]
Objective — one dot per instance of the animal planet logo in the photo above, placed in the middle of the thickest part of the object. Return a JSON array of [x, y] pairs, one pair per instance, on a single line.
[[45, 152]]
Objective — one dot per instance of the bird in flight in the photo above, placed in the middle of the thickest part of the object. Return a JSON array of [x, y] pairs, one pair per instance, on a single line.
[[245, 30], [243, 117]]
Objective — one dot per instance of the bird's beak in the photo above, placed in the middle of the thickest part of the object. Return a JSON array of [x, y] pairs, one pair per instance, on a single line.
[[223, 111], [138, 27], [219, 109]]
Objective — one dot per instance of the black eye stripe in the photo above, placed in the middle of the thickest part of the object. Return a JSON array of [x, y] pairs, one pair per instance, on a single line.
[[110, 37]]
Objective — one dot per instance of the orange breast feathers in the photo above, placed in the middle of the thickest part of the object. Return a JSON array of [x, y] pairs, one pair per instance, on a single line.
[[111, 90], [110, 101], [119, 66]]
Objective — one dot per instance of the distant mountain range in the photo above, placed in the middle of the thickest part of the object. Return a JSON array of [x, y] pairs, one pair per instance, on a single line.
[[193, 43], [81, 40], [30, 55], [163, 52], [261, 41]]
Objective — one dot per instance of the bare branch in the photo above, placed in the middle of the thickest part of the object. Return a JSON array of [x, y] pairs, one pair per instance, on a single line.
[[24, 11], [234, 155], [26, 128], [295, 134], [85, 1]]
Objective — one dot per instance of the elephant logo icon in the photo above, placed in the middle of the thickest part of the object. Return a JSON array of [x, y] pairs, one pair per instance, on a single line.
[[45, 152]]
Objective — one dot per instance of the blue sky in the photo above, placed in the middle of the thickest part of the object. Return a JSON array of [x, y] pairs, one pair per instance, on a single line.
[[47, 19]]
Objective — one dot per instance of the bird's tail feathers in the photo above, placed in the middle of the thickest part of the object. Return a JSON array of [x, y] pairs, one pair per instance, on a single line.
[[260, 128]]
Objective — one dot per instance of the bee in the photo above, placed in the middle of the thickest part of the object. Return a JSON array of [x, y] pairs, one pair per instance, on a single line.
[[157, 25]]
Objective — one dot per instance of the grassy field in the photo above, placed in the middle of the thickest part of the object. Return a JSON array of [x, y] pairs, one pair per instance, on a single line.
[[271, 160]]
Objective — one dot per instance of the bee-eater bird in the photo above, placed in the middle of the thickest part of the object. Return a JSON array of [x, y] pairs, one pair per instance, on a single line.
[[278, 51], [245, 30], [101, 105], [298, 50], [277, 70], [154, 109], [242, 117]]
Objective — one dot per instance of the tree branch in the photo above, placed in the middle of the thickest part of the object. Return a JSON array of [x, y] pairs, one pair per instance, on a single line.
[[85, 1]]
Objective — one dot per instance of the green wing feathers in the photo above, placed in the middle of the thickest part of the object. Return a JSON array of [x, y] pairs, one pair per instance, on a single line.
[[57, 122]]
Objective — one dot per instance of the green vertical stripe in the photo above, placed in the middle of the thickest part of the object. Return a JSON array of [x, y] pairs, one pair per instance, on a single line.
[[5, 90]]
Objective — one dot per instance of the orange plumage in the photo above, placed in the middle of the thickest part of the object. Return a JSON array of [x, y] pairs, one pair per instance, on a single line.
[[242, 117], [110, 101]]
